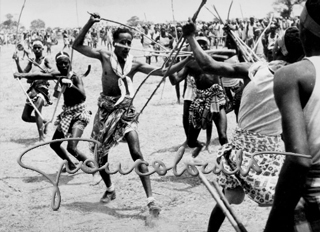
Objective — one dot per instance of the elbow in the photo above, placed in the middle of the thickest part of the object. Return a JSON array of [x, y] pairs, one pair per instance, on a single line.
[[173, 80], [303, 164]]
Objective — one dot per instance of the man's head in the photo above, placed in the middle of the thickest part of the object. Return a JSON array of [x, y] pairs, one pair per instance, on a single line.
[[203, 42], [310, 26], [251, 19], [162, 31], [289, 46], [179, 31], [63, 62], [37, 47], [122, 36]]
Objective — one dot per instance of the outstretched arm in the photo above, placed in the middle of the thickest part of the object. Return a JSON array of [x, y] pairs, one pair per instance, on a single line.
[[208, 64], [79, 40], [36, 76], [293, 174]]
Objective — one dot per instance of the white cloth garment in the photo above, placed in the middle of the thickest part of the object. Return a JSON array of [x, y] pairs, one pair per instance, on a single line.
[[122, 74]]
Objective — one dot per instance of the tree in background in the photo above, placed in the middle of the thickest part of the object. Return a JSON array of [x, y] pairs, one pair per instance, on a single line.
[[10, 23], [285, 7], [37, 24], [133, 21]]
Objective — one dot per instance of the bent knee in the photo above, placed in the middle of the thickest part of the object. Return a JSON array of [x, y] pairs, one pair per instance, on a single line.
[[235, 196], [55, 146], [72, 149], [192, 144], [25, 118]]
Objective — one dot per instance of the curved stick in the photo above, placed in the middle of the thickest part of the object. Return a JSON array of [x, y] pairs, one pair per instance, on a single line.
[[132, 28], [229, 11], [203, 2], [264, 31]]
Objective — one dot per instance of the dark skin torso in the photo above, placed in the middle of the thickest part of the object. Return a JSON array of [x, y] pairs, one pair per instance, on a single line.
[[203, 81], [73, 96]]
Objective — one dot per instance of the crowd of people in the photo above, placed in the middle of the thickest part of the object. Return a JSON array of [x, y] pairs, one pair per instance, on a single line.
[[275, 98]]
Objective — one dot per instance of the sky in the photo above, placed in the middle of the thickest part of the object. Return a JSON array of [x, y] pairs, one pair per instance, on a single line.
[[73, 13]]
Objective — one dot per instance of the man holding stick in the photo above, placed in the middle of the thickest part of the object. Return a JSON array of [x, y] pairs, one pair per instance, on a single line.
[[208, 104], [116, 119], [74, 117], [259, 127], [38, 90]]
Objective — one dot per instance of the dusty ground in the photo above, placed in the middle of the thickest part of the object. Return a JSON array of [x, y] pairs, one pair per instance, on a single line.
[[25, 196]]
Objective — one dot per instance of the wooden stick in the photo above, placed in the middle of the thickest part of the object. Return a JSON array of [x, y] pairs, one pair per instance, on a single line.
[[34, 107], [214, 193], [132, 28]]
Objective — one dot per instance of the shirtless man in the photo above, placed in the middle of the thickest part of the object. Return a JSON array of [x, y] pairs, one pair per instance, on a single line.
[[115, 118], [207, 105], [38, 90], [74, 117], [296, 205]]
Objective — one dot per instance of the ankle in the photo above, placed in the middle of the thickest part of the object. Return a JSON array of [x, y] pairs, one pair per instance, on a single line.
[[150, 199], [111, 188]]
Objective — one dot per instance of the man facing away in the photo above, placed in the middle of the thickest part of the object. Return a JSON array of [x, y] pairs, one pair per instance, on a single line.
[[297, 91]]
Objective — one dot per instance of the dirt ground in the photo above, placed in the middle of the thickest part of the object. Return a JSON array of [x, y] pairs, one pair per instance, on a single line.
[[25, 195]]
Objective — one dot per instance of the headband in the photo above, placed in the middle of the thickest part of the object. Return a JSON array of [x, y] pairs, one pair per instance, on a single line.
[[309, 23], [37, 42], [62, 55]]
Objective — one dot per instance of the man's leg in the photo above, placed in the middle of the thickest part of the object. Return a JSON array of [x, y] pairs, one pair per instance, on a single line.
[[193, 142], [77, 131], [39, 121], [132, 139], [220, 120], [234, 196], [209, 135], [26, 114], [185, 116], [60, 151], [177, 87], [110, 193]]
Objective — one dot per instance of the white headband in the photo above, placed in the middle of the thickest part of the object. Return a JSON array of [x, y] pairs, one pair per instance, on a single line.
[[37, 42], [62, 55], [309, 23]]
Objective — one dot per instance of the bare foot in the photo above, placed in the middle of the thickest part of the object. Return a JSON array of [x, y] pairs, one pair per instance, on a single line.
[[197, 150], [45, 128]]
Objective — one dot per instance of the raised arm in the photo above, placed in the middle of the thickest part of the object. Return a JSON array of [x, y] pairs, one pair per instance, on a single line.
[[17, 60], [293, 174], [79, 40], [208, 64]]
